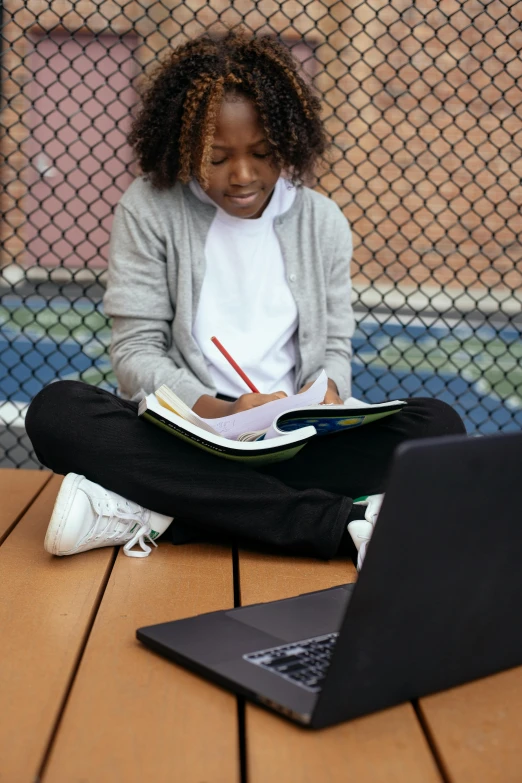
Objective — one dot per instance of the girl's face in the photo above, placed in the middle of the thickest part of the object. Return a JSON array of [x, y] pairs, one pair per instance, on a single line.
[[242, 174]]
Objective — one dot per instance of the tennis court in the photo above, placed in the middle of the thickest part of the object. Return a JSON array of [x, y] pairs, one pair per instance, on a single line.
[[474, 366]]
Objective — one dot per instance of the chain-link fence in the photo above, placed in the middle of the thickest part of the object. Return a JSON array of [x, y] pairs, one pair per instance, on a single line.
[[423, 102]]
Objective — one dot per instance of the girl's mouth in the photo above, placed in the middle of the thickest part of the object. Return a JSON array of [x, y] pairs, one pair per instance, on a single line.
[[244, 200]]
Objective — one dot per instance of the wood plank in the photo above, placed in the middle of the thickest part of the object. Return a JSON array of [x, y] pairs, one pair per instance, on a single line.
[[477, 728], [132, 715], [18, 488], [46, 609], [387, 747]]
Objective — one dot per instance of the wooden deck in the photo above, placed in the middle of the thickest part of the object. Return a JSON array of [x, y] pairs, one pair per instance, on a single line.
[[84, 702]]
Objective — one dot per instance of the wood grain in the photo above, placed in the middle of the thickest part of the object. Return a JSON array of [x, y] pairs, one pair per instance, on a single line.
[[477, 729], [18, 488], [132, 715], [387, 747], [46, 609]]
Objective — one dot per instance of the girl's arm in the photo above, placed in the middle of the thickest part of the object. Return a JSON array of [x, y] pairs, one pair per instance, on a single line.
[[142, 306], [339, 314], [340, 319], [140, 361], [139, 358]]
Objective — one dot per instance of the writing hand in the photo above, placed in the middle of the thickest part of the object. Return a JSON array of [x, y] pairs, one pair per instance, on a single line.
[[252, 400], [211, 408]]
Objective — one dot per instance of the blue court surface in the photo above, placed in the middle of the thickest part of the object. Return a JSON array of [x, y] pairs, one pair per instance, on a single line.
[[476, 368]]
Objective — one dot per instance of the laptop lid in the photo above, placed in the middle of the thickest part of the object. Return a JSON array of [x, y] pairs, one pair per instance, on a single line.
[[439, 597]]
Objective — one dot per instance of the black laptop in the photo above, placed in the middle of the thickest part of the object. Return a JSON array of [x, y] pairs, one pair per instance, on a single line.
[[437, 603]]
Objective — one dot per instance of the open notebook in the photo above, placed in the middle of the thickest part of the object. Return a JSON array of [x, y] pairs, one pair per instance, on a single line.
[[276, 430]]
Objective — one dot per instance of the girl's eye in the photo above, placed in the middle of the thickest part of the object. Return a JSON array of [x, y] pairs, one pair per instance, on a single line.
[[260, 155]]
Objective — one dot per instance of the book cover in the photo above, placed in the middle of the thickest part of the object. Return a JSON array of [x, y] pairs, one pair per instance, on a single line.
[[328, 419]]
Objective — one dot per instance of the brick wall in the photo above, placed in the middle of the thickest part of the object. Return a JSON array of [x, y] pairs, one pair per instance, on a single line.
[[423, 102]]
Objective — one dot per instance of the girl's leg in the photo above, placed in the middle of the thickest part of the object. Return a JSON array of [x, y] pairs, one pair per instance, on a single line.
[[79, 428], [356, 462]]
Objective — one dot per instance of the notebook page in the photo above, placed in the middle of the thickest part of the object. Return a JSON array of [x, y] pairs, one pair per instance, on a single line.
[[168, 399], [261, 418]]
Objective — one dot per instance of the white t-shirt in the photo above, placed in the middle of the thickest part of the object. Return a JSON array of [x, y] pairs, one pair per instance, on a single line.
[[246, 301]]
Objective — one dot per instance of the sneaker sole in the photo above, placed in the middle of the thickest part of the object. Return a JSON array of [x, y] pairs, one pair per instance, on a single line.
[[62, 507]]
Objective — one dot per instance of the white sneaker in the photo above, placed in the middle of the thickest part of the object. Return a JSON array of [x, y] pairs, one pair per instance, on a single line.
[[88, 516], [361, 529], [373, 506]]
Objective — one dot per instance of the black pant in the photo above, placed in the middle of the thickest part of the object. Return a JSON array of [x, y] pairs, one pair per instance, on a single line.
[[300, 506]]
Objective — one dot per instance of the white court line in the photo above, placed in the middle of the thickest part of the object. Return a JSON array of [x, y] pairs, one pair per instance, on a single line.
[[430, 321], [12, 413]]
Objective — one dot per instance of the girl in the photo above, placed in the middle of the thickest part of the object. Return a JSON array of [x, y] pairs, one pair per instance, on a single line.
[[220, 236]]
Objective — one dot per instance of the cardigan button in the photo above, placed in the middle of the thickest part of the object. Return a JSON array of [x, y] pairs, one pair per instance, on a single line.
[[293, 278]]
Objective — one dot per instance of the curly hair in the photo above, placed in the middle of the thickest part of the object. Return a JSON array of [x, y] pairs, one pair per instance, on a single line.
[[173, 132]]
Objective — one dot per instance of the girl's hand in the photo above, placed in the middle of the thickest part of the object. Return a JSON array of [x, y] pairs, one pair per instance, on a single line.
[[332, 395], [211, 408], [247, 401]]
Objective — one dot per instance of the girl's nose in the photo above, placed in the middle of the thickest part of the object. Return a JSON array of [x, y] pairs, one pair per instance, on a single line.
[[243, 172]]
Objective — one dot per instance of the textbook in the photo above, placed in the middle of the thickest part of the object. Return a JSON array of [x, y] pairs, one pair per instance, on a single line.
[[271, 432], [255, 451], [235, 437]]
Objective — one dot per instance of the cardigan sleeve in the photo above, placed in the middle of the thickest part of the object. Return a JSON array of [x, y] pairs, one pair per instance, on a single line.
[[141, 305], [339, 313], [141, 363]]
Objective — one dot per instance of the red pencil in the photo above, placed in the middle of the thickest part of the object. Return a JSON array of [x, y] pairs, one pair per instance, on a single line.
[[234, 364]]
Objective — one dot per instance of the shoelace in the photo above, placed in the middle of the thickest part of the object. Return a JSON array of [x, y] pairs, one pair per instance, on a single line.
[[114, 515]]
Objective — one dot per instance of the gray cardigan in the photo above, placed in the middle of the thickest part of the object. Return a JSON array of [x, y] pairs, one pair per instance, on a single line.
[[156, 269]]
